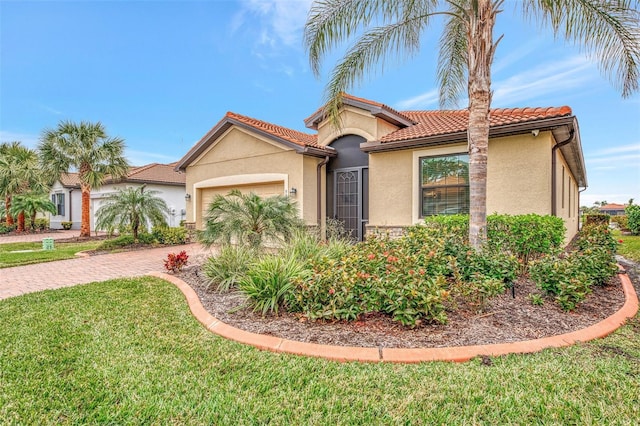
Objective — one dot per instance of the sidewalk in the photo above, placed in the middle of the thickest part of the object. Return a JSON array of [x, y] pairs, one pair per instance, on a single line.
[[56, 235], [65, 273]]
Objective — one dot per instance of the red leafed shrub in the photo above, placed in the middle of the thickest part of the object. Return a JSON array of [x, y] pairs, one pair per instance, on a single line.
[[175, 262]]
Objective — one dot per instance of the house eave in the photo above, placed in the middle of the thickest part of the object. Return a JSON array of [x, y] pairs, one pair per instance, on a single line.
[[377, 111], [559, 126]]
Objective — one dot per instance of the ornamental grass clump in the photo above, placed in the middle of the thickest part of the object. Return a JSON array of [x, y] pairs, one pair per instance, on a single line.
[[229, 267]]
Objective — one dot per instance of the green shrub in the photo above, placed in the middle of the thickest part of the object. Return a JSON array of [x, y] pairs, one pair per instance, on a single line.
[[5, 229], [170, 236], [597, 219], [126, 240], [622, 222], [596, 235], [633, 218], [42, 223], [598, 263], [526, 236], [562, 278], [229, 267], [66, 225], [269, 282]]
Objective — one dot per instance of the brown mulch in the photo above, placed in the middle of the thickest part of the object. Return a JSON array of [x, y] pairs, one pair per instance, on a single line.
[[503, 319]]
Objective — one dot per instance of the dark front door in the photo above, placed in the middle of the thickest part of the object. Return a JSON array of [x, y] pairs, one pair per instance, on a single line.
[[348, 185], [351, 200]]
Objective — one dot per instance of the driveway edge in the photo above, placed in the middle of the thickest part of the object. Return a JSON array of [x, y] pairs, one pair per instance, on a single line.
[[405, 355]]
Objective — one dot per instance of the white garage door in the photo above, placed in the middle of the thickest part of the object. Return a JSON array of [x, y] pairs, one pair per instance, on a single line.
[[263, 189]]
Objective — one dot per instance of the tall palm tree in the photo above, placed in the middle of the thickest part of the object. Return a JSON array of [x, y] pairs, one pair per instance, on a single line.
[[134, 208], [20, 172], [607, 28], [30, 204], [87, 148], [249, 219]]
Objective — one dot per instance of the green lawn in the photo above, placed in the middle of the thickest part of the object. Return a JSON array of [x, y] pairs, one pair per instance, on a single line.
[[129, 352], [61, 251], [630, 247]]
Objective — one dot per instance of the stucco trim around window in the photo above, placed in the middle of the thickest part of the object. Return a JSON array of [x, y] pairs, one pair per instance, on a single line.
[[415, 163]]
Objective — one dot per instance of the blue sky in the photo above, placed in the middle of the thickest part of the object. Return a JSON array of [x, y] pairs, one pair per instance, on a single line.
[[161, 74]]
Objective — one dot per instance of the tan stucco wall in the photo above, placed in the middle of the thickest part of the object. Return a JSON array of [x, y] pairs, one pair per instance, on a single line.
[[519, 174], [240, 157], [519, 180], [567, 200], [354, 121]]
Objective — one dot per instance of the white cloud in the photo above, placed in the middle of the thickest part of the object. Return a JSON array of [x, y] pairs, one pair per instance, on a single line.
[[422, 101], [140, 158], [634, 148], [548, 78], [28, 140], [281, 21]]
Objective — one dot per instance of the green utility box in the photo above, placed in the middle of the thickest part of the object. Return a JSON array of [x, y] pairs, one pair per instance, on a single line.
[[47, 244]]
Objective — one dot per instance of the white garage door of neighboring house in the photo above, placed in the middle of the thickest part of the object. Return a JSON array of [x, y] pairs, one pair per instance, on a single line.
[[263, 189]]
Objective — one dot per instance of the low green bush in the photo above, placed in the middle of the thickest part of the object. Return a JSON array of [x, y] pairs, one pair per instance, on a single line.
[[526, 236], [596, 235], [170, 236], [569, 277], [42, 223], [269, 282], [126, 240], [597, 219], [5, 229], [622, 222], [633, 218], [229, 267], [66, 225]]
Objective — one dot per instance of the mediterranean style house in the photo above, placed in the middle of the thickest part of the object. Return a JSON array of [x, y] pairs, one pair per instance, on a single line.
[[383, 169], [66, 195]]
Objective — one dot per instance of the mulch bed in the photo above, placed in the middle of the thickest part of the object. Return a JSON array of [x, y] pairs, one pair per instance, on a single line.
[[504, 319]]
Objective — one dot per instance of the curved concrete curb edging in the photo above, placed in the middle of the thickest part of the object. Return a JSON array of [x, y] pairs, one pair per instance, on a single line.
[[405, 355]]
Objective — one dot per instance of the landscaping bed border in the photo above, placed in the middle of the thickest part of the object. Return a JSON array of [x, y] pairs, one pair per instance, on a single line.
[[406, 355]]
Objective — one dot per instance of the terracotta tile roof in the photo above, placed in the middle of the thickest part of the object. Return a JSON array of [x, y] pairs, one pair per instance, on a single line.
[[433, 123], [294, 136], [150, 173], [156, 173], [70, 179], [613, 206], [376, 108]]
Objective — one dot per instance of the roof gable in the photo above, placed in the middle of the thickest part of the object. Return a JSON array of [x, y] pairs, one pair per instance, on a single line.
[[303, 143]]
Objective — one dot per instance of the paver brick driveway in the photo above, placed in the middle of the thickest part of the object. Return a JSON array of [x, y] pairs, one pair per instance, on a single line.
[[65, 273]]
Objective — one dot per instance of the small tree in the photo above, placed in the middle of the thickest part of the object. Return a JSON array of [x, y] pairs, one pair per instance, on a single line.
[[134, 208], [30, 204], [249, 219]]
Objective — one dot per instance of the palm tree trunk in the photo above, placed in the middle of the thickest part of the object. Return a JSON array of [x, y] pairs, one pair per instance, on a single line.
[[480, 43], [7, 206], [85, 226], [20, 222]]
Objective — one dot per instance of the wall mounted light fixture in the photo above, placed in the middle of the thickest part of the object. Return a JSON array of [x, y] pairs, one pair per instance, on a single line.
[[187, 197], [293, 192]]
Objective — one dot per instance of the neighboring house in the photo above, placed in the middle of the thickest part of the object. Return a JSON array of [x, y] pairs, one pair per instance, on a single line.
[[613, 209], [67, 197], [386, 169]]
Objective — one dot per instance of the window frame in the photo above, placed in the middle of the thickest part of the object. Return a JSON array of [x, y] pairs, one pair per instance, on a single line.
[[422, 187]]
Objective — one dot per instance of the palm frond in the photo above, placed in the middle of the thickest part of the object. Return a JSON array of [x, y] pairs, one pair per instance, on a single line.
[[452, 61], [608, 31]]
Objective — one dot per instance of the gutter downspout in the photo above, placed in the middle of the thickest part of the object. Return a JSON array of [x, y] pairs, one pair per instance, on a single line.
[[319, 191], [554, 207], [580, 191], [70, 207]]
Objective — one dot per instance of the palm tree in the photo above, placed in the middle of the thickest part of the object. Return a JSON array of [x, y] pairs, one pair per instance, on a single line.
[[134, 208], [20, 172], [249, 219], [30, 204], [607, 28], [87, 148]]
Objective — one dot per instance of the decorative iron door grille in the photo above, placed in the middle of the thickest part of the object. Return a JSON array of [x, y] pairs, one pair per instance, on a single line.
[[348, 199]]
